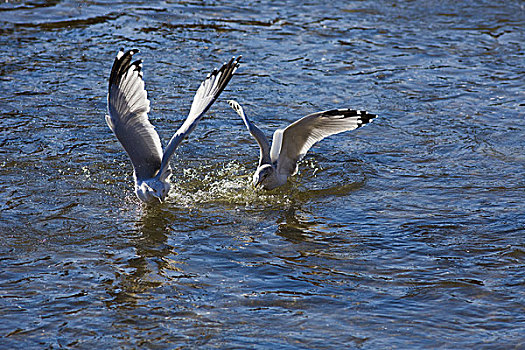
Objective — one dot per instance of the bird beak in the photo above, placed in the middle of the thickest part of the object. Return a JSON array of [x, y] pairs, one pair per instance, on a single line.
[[257, 184], [158, 198]]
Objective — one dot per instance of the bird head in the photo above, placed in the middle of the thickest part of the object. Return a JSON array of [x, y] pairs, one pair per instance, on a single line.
[[261, 175], [153, 191], [159, 189]]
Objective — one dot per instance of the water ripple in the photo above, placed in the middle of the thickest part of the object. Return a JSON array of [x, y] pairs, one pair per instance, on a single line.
[[405, 234]]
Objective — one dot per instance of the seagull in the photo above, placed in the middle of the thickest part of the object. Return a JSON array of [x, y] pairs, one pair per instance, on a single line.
[[127, 117], [290, 144]]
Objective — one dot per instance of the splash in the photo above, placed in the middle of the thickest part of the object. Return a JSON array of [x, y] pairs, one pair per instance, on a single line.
[[230, 184]]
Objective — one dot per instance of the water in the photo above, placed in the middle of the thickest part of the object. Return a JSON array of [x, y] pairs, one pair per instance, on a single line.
[[408, 233]]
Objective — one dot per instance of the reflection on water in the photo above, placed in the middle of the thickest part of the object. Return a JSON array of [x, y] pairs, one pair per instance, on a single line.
[[405, 234], [144, 271]]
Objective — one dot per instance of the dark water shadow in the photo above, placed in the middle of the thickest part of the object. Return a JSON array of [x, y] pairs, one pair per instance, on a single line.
[[151, 265]]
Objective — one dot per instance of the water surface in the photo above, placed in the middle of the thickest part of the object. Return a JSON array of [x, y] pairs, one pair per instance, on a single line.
[[408, 233]]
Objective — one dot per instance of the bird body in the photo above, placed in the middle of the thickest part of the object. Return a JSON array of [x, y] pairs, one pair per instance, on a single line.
[[290, 144], [127, 117]]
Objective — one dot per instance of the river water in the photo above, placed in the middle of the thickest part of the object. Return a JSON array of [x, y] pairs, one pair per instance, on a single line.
[[407, 233]]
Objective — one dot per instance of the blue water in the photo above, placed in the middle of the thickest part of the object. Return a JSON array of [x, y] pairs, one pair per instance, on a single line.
[[407, 233]]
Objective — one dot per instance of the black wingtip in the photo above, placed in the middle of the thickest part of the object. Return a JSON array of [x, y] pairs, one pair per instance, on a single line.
[[367, 117], [234, 105], [121, 65], [137, 65], [236, 61], [363, 117], [227, 70]]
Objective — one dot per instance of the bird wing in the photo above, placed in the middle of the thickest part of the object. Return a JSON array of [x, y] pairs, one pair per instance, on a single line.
[[205, 96], [264, 146], [128, 108], [291, 144]]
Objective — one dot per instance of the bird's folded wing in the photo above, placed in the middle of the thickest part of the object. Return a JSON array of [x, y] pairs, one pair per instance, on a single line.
[[264, 145], [128, 108], [207, 93], [292, 143]]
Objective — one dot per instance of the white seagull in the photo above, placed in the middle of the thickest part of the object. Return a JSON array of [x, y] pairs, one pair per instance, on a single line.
[[127, 117], [290, 144]]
